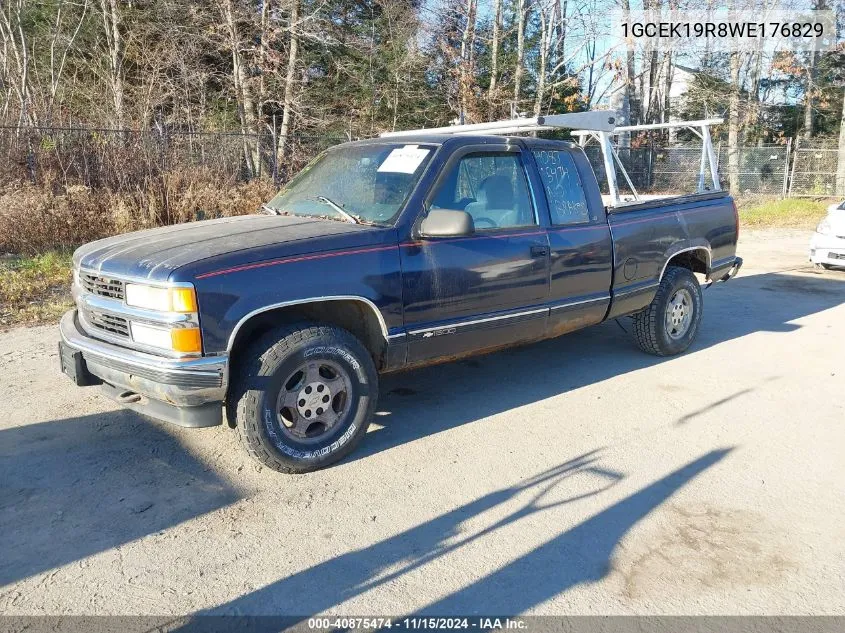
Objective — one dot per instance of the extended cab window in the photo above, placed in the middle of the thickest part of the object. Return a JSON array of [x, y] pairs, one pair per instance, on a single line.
[[564, 192], [491, 187]]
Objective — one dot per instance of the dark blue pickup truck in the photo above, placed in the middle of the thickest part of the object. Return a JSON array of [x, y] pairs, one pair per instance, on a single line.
[[381, 255]]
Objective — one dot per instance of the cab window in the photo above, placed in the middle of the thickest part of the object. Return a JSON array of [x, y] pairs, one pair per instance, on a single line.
[[491, 187]]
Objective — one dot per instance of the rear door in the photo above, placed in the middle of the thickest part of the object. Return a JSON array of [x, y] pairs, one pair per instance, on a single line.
[[580, 242], [489, 289]]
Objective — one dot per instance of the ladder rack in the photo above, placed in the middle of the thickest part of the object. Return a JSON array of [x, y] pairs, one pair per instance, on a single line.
[[598, 124]]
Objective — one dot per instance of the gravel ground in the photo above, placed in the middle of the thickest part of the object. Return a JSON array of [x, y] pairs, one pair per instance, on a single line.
[[572, 476]]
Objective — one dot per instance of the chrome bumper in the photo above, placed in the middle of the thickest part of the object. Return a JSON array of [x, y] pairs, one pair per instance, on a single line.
[[188, 392]]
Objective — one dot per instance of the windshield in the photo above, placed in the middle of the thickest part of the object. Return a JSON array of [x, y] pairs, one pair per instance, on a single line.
[[357, 183]]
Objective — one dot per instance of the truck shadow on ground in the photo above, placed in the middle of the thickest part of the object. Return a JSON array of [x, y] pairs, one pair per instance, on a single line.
[[579, 555], [425, 401], [76, 487]]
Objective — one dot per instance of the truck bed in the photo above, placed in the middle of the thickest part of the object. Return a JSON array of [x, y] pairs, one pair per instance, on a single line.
[[652, 201], [648, 233]]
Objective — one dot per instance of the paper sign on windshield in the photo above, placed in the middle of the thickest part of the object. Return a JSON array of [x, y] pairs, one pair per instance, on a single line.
[[404, 160]]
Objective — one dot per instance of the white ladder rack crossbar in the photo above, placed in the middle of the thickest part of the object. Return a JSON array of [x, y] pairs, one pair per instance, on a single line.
[[604, 120], [655, 126], [599, 124]]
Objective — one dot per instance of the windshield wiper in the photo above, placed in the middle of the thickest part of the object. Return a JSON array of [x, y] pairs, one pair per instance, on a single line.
[[270, 210], [346, 215]]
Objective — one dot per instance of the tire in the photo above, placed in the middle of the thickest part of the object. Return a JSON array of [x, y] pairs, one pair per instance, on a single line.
[[821, 266], [678, 302], [289, 375]]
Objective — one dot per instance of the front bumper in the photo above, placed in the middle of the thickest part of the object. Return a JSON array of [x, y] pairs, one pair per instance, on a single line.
[[827, 249], [188, 392]]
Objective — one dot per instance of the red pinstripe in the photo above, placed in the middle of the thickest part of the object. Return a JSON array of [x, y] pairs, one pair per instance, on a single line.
[[358, 251], [293, 259]]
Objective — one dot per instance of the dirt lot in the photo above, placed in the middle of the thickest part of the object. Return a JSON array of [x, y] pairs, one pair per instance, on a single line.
[[573, 476]]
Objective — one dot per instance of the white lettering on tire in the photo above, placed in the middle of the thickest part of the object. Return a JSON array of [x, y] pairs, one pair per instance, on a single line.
[[305, 455], [349, 358]]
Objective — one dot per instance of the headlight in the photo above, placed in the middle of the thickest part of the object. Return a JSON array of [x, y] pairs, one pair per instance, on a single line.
[[186, 339], [824, 227], [179, 299]]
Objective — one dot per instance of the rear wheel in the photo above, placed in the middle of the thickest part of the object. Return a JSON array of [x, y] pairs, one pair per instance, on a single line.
[[670, 323], [304, 397]]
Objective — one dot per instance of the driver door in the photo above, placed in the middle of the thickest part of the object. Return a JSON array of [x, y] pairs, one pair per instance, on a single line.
[[480, 291]]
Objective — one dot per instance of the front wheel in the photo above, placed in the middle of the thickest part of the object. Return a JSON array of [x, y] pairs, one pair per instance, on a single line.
[[304, 397], [670, 323]]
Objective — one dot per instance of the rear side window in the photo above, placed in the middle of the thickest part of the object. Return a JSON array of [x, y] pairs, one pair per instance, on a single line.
[[564, 192]]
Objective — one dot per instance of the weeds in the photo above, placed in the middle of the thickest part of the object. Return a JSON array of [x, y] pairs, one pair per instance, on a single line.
[[40, 228], [34, 289], [802, 213], [35, 220]]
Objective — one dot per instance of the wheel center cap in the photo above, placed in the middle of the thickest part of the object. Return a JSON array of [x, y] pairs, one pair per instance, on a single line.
[[313, 399]]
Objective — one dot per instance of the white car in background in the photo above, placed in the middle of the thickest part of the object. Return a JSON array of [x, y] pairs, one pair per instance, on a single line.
[[827, 248]]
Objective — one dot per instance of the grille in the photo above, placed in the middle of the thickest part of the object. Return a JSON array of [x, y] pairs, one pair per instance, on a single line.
[[108, 323], [101, 286]]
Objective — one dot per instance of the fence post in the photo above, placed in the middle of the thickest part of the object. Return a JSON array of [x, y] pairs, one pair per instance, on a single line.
[[30, 158], [794, 162], [785, 189]]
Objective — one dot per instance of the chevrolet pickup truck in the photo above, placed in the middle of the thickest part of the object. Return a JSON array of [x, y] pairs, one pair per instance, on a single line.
[[381, 255]]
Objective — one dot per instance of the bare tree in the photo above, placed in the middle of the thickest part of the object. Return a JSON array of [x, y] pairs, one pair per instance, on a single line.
[[494, 52], [290, 76], [466, 75], [60, 46], [840, 165], [548, 15], [243, 89], [522, 12], [810, 83], [17, 64], [630, 74], [733, 124], [112, 20]]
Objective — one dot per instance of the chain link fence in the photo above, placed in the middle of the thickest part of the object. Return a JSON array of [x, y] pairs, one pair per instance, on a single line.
[[762, 169], [674, 169], [122, 160], [61, 187], [814, 172]]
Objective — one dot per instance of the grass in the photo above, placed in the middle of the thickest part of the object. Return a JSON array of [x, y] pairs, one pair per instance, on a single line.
[[799, 213], [34, 289]]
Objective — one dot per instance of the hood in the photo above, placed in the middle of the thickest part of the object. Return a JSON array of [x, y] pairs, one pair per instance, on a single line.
[[156, 253], [836, 220]]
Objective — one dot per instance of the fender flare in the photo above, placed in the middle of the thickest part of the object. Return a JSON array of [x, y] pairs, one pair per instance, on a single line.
[[285, 304], [685, 246]]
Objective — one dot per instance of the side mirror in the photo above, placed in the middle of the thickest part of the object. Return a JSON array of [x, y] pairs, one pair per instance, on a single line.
[[447, 223]]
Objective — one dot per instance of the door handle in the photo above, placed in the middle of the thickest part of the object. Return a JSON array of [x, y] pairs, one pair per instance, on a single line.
[[539, 251]]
